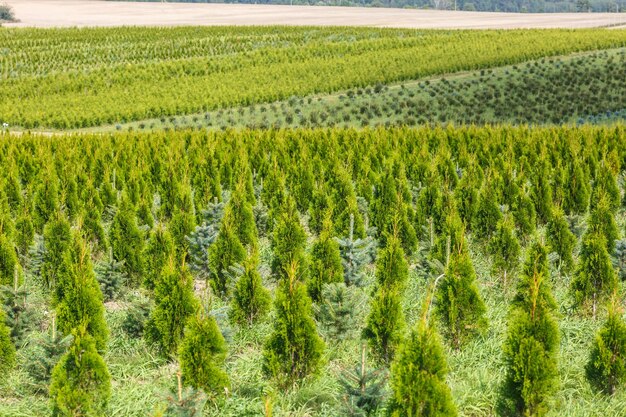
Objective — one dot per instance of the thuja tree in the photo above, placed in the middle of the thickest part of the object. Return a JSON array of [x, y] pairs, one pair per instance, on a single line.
[[355, 255], [602, 221], [202, 353], [541, 191], [385, 323], [488, 213], [532, 342], [459, 305], [577, 190], [605, 184], [7, 349], [418, 377], [157, 252], [174, 304], [240, 214], [226, 252], [560, 239], [251, 300], [77, 296], [606, 368], [57, 238], [8, 261], [294, 349], [127, 241], [46, 201], [505, 248], [595, 278], [288, 242], [325, 266], [80, 383]]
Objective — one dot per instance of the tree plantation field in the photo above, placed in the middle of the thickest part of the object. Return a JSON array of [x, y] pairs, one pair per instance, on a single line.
[[470, 271], [581, 88], [78, 78]]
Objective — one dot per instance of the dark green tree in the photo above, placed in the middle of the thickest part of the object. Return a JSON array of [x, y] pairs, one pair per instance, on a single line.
[[602, 221], [364, 389], [57, 238], [339, 311], [355, 255], [174, 304], [294, 349], [111, 276], [202, 353], [325, 267], [127, 241], [157, 252], [488, 213], [289, 242], [226, 252], [251, 300], [8, 261], [80, 384], [19, 315], [7, 349], [606, 368], [505, 248], [560, 239]]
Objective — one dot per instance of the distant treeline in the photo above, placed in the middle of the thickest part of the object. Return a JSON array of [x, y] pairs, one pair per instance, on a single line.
[[521, 6]]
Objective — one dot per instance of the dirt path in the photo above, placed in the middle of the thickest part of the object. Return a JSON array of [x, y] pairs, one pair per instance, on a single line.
[[63, 13]]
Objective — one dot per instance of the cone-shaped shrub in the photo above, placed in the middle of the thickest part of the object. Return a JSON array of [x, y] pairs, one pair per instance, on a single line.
[[577, 190], [488, 214], [251, 300], [158, 251], [459, 304], [602, 221], [560, 239], [7, 349], [532, 342], [24, 234], [505, 248], [606, 369], [595, 278], [46, 201], [174, 303], [202, 353], [77, 296], [127, 241], [605, 184], [81, 383], [239, 213], [294, 349], [325, 267], [180, 226], [288, 242], [8, 260], [226, 252], [57, 238], [524, 215], [418, 377], [541, 192]]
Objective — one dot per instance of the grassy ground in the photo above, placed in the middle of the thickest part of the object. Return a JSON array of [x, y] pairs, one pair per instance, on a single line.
[[141, 380]]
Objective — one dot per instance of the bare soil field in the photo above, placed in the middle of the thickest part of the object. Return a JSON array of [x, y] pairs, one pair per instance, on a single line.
[[64, 13]]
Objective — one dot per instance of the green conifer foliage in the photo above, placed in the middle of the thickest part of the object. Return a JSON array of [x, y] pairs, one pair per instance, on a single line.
[[466, 199], [339, 311], [606, 368], [80, 383], [19, 315], [531, 346], [181, 225], [49, 350], [185, 402], [294, 349], [505, 248], [24, 234], [159, 249], [418, 377], [595, 278], [77, 297], [111, 276], [8, 261], [541, 192], [364, 389], [226, 252], [488, 214], [7, 349], [239, 213], [325, 267], [524, 214], [202, 353], [602, 221], [46, 202], [251, 300], [127, 241], [577, 189], [459, 304], [57, 238], [174, 304], [560, 239], [605, 184], [288, 242], [619, 258], [355, 255]]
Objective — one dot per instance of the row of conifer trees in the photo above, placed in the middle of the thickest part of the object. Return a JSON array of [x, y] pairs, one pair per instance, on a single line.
[[184, 217]]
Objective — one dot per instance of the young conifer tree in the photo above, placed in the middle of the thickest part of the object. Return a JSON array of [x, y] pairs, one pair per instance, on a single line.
[[577, 191], [80, 383], [174, 304], [560, 239], [364, 389], [505, 248], [77, 296], [418, 376], [595, 279], [355, 255], [532, 342], [19, 313], [541, 192], [294, 349], [602, 220], [46, 201], [251, 300], [202, 353], [459, 304], [488, 213], [606, 368], [325, 265], [385, 323], [240, 214], [226, 252], [8, 261], [7, 349], [158, 251], [605, 184], [289, 242], [127, 241], [57, 238]]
